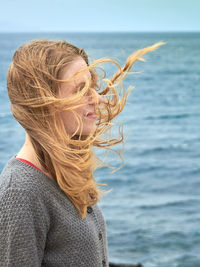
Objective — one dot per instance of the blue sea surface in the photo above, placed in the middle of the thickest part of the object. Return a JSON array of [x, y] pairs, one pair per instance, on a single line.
[[153, 210]]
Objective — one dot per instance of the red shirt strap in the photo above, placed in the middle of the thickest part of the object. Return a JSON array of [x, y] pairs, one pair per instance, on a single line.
[[29, 163]]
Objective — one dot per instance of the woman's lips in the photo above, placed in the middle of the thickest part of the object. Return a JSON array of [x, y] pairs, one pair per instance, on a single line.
[[91, 115]]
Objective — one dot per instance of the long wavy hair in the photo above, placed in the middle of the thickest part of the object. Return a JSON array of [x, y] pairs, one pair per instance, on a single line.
[[33, 83]]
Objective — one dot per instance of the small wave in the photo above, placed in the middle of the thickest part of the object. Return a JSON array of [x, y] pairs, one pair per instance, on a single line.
[[174, 203], [172, 234], [165, 149], [168, 116], [188, 259], [174, 72], [191, 172]]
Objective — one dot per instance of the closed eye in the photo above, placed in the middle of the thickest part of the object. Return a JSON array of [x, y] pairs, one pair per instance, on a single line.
[[81, 86], [92, 85]]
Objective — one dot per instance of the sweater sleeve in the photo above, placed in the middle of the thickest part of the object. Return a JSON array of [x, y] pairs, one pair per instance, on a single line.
[[23, 229]]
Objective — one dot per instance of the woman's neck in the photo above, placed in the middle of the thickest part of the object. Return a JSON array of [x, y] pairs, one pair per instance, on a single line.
[[27, 152]]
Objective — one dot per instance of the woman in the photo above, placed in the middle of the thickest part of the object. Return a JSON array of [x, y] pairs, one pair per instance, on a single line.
[[48, 196]]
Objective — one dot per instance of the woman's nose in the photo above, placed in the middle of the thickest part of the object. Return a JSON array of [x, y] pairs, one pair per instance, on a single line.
[[97, 97], [100, 98]]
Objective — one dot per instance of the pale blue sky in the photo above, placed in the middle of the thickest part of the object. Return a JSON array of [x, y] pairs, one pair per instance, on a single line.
[[104, 15]]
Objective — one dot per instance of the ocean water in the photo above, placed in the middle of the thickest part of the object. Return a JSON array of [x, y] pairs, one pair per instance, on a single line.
[[153, 210]]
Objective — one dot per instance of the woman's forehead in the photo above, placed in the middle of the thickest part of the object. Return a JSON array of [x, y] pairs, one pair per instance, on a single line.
[[76, 66]]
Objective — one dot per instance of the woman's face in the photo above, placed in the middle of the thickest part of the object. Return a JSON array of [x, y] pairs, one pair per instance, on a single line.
[[86, 111]]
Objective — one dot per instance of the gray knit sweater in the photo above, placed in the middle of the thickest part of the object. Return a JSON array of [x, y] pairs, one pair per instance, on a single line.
[[39, 226]]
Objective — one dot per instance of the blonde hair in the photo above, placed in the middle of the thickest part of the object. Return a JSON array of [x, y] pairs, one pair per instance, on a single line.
[[33, 82]]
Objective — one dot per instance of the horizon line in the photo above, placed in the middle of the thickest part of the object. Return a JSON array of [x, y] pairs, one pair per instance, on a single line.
[[85, 32]]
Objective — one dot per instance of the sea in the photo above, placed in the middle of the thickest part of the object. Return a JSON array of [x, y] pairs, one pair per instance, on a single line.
[[153, 209]]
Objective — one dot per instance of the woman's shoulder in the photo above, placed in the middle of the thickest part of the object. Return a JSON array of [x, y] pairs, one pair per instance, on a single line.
[[20, 176]]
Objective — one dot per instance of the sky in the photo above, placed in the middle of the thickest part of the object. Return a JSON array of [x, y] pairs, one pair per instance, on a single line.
[[99, 16]]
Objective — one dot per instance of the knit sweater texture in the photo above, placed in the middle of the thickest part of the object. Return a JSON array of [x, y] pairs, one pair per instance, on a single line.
[[39, 225]]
